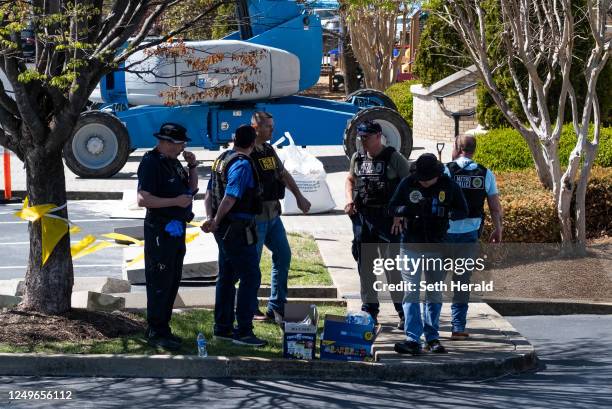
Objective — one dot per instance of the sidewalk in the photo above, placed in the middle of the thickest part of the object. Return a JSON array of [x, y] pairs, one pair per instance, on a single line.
[[493, 341]]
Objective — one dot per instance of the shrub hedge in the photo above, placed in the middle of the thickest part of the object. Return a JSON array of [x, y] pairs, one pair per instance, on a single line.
[[529, 211], [505, 149], [401, 95]]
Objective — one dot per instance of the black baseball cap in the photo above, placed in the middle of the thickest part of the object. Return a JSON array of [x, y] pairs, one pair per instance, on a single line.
[[368, 127], [428, 167], [171, 132]]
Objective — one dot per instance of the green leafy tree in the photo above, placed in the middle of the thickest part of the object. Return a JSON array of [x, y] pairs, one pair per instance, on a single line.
[[372, 29], [77, 43], [217, 24], [539, 43], [441, 53]]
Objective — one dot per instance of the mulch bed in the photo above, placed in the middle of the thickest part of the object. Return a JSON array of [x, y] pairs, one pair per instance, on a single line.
[[583, 278], [26, 327]]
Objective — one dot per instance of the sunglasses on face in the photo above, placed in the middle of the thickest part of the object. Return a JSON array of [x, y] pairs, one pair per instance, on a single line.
[[364, 136]]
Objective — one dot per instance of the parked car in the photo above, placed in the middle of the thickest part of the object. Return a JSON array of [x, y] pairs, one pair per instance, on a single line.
[[28, 43]]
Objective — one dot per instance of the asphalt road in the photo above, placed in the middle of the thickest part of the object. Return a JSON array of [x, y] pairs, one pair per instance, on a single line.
[[576, 351], [92, 216]]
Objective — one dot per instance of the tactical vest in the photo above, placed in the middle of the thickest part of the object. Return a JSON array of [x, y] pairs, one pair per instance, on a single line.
[[250, 202], [472, 183], [269, 171], [373, 188], [427, 210]]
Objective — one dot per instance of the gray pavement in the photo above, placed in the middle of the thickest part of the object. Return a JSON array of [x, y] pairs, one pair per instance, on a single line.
[[92, 216], [575, 351]]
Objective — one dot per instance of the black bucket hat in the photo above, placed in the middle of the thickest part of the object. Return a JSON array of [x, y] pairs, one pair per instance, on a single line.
[[171, 132], [428, 167]]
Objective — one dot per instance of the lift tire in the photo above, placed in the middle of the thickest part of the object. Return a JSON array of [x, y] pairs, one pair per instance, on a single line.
[[379, 97], [98, 147], [396, 132]]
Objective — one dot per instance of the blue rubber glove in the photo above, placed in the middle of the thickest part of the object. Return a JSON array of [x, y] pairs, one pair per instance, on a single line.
[[175, 228]]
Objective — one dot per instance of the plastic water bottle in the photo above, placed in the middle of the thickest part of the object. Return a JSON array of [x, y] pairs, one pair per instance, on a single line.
[[359, 318], [201, 341]]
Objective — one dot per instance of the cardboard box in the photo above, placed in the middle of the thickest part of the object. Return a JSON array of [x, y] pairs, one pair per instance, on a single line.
[[346, 342], [299, 338]]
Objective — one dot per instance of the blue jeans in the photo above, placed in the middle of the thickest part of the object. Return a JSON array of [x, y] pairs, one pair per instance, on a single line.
[[459, 310], [272, 234], [421, 318], [237, 262]]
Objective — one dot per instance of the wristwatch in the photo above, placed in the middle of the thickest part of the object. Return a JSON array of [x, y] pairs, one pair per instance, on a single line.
[[195, 165]]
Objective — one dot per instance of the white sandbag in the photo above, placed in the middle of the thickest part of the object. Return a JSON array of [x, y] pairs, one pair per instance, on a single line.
[[310, 177]]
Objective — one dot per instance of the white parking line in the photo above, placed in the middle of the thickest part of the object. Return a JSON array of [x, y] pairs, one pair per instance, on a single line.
[[21, 243], [74, 221], [75, 266]]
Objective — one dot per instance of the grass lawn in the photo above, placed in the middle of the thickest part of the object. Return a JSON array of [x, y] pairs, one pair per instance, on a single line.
[[307, 266], [186, 325]]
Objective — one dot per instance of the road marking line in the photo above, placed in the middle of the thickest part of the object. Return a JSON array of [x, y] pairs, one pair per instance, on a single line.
[[74, 221], [75, 266], [19, 243]]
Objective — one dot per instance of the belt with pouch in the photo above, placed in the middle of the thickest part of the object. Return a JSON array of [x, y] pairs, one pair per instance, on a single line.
[[240, 230]]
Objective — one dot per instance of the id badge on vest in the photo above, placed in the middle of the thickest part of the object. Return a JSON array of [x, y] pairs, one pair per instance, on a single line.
[[470, 182], [371, 168]]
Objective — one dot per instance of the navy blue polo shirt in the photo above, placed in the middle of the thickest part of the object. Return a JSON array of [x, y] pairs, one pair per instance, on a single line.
[[164, 177]]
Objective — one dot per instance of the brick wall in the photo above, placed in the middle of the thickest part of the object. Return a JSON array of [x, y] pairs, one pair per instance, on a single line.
[[430, 121]]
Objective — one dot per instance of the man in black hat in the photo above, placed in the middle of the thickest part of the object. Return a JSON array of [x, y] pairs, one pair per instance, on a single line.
[[166, 189], [423, 204], [374, 174]]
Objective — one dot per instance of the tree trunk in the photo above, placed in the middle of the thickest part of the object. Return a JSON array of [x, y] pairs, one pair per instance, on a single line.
[[48, 288], [539, 160], [581, 189], [564, 213], [351, 82]]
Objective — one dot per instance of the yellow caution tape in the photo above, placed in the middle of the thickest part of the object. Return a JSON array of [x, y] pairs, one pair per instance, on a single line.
[[189, 237], [34, 213], [77, 248], [54, 228], [123, 237], [135, 260], [94, 248]]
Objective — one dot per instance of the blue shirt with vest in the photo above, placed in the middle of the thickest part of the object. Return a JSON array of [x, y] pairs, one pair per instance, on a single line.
[[239, 178], [470, 224]]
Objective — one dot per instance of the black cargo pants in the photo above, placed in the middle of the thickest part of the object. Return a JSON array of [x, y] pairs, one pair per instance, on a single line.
[[164, 256]]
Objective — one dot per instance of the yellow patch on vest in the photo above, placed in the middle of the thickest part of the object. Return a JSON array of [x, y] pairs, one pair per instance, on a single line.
[[217, 166], [442, 196], [267, 163]]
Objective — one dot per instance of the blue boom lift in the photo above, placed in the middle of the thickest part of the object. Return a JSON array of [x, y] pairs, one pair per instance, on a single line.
[[104, 138]]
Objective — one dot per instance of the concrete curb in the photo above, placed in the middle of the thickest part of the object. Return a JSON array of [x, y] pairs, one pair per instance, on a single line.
[[178, 366], [549, 307], [303, 292]]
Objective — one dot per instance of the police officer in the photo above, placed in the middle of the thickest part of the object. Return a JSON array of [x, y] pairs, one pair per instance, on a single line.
[[477, 184], [270, 229], [232, 201], [374, 174], [423, 204], [166, 189]]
